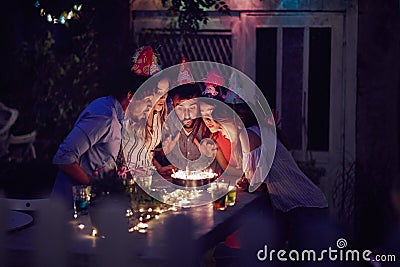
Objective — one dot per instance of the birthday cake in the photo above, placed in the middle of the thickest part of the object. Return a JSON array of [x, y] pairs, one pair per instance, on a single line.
[[193, 178]]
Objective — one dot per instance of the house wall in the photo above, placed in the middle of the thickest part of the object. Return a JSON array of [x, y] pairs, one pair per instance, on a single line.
[[252, 5], [377, 119]]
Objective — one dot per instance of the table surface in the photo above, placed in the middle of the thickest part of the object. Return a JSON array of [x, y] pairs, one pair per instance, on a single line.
[[210, 226], [18, 220]]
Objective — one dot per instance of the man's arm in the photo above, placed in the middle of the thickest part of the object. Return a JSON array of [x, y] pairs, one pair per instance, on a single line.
[[75, 171]]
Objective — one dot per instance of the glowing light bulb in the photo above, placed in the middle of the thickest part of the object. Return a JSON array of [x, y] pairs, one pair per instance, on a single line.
[[94, 232], [70, 15], [49, 18], [81, 226], [78, 7]]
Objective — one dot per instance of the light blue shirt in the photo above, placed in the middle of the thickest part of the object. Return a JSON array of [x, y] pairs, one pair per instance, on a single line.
[[94, 141]]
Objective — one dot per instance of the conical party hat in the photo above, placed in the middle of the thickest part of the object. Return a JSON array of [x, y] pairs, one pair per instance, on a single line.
[[185, 75], [145, 62], [214, 78], [232, 96]]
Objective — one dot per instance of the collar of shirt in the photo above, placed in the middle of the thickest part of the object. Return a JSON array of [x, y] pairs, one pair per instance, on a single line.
[[187, 133], [118, 109]]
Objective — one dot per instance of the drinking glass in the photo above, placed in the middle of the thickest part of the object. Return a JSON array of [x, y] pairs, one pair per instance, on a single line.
[[218, 194], [231, 196], [144, 181], [81, 196]]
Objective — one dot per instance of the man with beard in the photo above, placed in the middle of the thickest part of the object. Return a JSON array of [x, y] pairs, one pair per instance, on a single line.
[[185, 130]]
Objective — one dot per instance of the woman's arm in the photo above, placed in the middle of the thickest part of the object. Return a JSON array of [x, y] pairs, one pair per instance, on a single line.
[[223, 162], [249, 143]]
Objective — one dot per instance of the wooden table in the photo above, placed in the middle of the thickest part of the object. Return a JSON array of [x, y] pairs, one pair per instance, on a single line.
[[209, 226]]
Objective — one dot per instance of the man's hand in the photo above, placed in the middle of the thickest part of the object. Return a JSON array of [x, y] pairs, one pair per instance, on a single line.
[[166, 170], [208, 148], [169, 143], [243, 184]]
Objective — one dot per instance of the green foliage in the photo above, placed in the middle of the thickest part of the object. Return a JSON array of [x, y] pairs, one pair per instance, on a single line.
[[64, 77], [191, 13]]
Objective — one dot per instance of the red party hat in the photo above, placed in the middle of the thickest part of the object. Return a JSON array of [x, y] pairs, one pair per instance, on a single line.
[[145, 62]]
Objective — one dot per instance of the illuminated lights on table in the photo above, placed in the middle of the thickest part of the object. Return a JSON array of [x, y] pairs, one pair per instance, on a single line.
[[180, 197], [143, 208], [139, 218], [94, 232]]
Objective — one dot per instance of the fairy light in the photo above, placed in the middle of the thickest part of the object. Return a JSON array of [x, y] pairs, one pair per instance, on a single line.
[[94, 232], [72, 13]]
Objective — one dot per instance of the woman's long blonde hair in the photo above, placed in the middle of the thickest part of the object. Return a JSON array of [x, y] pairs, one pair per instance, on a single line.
[[149, 124]]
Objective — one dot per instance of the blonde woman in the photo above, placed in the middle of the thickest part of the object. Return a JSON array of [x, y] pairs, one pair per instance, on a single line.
[[154, 125]]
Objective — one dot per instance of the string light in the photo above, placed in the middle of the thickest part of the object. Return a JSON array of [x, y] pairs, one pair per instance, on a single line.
[[72, 13]]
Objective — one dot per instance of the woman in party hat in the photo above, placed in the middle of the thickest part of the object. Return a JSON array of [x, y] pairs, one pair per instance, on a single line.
[[142, 130]]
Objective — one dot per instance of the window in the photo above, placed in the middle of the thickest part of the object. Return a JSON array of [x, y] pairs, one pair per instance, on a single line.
[[210, 45], [298, 68]]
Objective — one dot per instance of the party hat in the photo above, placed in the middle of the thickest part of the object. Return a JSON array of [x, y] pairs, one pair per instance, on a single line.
[[232, 96], [145, 62], [214, 78], [185, 75]]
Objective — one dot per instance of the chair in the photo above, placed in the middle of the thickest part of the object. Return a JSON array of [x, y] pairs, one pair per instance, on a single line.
[[16, 147], [26, 141], [8, 117]]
